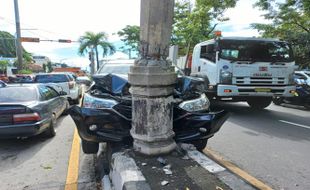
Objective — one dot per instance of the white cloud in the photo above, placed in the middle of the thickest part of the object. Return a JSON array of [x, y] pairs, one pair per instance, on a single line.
[[240, 19]]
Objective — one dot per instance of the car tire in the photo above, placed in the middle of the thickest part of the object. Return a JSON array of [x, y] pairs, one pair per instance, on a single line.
[[51, 131], [77, 101], [200, 144], [259, 103], [90, 147], [66, 111]]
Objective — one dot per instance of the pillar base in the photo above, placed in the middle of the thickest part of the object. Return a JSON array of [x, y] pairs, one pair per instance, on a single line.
[[154, 148], [152, 109]]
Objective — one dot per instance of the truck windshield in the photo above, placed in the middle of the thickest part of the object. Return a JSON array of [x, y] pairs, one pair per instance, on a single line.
[[255, 50]]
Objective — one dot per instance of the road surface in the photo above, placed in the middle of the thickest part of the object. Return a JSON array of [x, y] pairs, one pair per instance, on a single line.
[[272, 145], [41, 163]]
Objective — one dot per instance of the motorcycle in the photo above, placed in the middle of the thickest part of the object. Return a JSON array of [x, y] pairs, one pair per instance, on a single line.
[[301, 97], [106, 112]]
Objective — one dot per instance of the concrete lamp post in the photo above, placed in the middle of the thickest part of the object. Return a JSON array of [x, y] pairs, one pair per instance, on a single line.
[[152, 81]]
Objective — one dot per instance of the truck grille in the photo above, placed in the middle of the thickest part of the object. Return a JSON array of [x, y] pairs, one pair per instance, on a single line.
[[259, 81]]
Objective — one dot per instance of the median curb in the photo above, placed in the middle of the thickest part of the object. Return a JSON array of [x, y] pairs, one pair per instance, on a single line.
[[230, 179], [126, 175]]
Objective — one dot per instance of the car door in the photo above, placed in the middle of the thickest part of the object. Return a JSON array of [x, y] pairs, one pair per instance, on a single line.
[[50, 100], [61, 101]]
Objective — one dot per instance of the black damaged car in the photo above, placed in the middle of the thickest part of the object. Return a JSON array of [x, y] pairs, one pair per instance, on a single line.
[[105, 114]]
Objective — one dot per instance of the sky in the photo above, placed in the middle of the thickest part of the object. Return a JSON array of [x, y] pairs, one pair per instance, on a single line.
[[69, 19]]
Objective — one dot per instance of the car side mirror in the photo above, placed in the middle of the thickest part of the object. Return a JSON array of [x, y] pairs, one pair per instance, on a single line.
[[62, 93]]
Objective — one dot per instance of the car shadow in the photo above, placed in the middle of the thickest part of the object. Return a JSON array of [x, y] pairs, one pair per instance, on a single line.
[[265, 121]]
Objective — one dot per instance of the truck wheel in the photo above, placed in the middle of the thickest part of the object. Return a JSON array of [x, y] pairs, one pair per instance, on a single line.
[[200, 144], [90, 147], [307, 105], [259, 103], [277, 100]]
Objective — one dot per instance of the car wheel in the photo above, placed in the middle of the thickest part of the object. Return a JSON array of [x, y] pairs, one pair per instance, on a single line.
[[77, 101], [90, 147], [51, 131], [200, 144], [66, 111]]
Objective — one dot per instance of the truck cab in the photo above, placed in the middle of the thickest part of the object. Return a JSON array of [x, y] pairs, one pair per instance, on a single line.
[[245, 69]]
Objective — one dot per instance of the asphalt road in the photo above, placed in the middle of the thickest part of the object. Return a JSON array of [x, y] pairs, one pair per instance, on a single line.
[[272, 145], [41, 163]]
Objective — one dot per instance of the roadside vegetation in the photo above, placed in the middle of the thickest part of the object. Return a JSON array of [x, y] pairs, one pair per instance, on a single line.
[[290, 21], [91, 42]]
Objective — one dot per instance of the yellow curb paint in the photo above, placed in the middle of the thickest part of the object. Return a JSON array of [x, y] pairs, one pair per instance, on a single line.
[[73, 166], [233, 168]]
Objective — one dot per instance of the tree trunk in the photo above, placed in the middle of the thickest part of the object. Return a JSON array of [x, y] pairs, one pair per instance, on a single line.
[[97, 57]]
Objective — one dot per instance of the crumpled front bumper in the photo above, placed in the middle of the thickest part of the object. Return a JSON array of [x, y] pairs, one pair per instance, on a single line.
[[111, 126]]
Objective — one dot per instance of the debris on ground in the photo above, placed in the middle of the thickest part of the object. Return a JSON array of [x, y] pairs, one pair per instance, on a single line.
[[164, 183], [162, 161]]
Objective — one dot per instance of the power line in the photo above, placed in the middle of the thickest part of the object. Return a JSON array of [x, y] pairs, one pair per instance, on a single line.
[[31, 26]]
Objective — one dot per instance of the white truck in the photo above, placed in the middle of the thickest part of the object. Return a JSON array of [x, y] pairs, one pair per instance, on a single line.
[[245, 69]]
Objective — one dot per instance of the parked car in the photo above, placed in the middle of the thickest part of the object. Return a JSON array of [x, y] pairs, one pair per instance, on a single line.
[[30, 109], [302, 77], [21, 78], [2, 84], [83, 80], [105, 114], [61, 82], [300, 98]]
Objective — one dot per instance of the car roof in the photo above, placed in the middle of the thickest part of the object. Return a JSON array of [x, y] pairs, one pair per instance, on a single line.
[[52, 74], [24, 85]]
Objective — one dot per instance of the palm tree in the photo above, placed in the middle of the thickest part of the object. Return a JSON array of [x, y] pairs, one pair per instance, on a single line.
[[90, 41]]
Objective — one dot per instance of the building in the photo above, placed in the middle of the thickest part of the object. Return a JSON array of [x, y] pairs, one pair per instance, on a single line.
[[39, 59]]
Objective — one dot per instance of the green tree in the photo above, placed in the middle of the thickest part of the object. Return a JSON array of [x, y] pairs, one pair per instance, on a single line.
[[44, 67], [290, 22], [195, 23], [91, 41], [130, 35], [49, 67], [3, 66], [8, 48]]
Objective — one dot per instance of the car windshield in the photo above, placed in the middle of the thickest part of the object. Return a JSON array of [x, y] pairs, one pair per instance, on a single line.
[[115, 69], [254, 50], [17, 94], [54, 78]]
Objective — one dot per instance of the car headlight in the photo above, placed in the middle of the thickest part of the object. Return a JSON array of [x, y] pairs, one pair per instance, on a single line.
[[199, 104], [225, 77], [97, 103]]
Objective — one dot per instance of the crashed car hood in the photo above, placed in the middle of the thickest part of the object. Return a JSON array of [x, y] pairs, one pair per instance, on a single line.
[[186, 87], [112, 83]]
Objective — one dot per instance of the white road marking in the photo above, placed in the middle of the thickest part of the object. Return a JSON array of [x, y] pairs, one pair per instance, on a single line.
[[296, 124]]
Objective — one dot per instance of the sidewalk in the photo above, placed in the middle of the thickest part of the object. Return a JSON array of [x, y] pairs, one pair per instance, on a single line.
[[185, 168]]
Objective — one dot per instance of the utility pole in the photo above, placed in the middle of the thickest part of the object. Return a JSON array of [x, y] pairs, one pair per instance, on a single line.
[[152, 80], [19, 51]]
